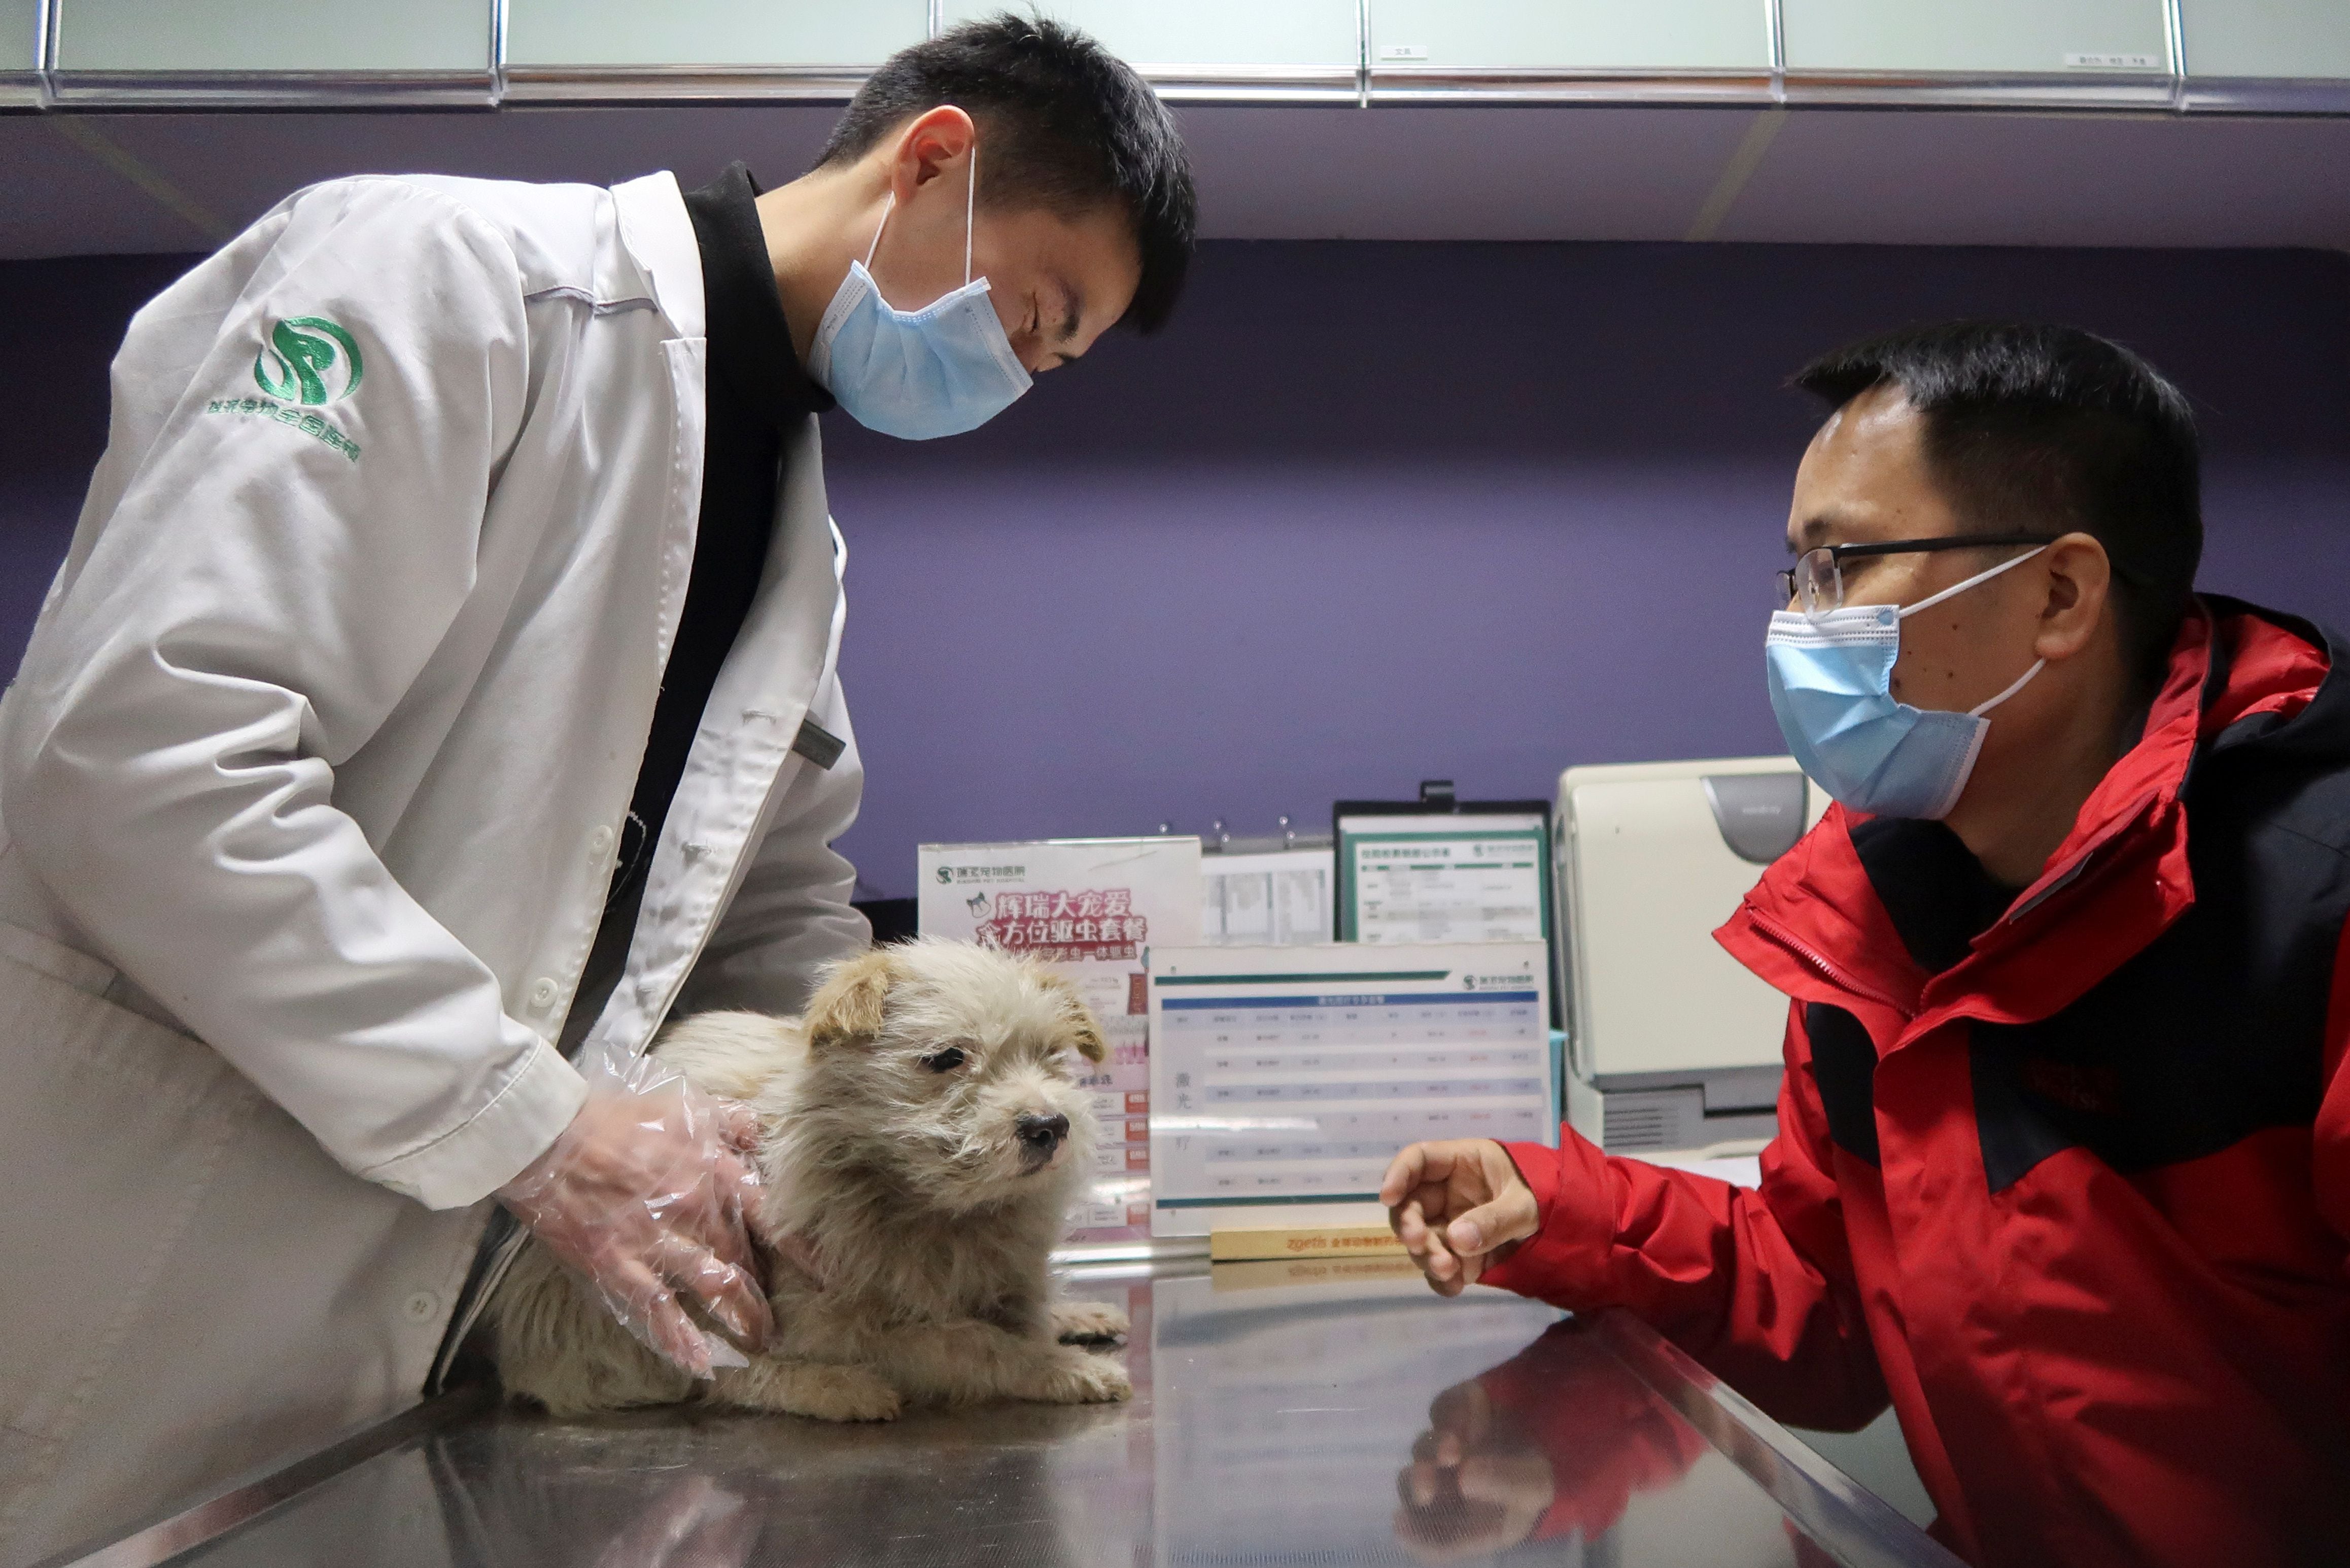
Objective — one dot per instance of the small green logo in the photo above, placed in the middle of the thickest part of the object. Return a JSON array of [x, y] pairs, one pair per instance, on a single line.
[[309, 360]]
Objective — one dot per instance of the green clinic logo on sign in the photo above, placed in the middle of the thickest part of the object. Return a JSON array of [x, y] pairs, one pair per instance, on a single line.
[[309, 360]]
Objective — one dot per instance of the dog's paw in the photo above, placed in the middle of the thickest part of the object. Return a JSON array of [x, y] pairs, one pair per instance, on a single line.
[[821, 1390], [1072, 1376], [843, 1394], [1088, 1322]]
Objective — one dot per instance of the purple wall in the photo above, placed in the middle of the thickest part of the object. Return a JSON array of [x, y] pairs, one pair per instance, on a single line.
[[1378, 511], [68, 316]]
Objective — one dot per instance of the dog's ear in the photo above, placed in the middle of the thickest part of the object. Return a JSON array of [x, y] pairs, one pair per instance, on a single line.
[[1083, 1032], [849, 1005]]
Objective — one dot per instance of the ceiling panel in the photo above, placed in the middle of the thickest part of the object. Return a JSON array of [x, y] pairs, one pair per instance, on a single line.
[[1408, 172], [88, 183], [239, 165], [63, 201], [2049, 180]]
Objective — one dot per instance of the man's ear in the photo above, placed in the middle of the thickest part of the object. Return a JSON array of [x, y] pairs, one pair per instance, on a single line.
[[2080, 578], [1085, 1033], [936, 137], [850, 1003]]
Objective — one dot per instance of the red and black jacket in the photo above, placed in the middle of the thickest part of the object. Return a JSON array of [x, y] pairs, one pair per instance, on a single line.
[[2072, 1190]]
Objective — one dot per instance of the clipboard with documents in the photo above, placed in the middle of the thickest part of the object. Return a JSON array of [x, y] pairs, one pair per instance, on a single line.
[[1285, 1079], [1439, 870]]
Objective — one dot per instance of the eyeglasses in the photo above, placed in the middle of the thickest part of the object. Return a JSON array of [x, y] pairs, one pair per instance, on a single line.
[[1815, 583]]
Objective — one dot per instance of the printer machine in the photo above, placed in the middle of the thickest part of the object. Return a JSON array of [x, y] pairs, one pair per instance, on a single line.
[[1672, 1045]]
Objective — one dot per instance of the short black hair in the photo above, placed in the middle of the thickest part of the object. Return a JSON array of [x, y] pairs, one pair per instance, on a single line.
[[1069, 127], [2032, 427]]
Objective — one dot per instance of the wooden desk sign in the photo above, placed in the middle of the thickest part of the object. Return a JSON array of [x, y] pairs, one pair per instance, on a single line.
[[1311, 1242]]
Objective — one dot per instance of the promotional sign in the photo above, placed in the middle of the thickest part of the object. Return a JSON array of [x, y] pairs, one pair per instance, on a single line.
[[1089, 906]]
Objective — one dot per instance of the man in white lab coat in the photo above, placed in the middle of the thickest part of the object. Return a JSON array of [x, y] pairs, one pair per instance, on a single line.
[[441, 685]]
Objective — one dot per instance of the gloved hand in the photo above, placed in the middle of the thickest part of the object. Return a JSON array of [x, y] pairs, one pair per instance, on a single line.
[[693, 1523], [649, 1197]]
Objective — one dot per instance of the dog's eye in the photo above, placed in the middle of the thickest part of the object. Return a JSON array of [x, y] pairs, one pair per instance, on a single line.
[[945, 1061]]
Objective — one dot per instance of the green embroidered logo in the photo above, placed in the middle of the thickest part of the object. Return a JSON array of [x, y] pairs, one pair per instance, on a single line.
[[308, 361]]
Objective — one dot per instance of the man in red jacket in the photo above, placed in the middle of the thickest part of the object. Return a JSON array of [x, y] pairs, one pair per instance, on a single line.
[[2062, 1168]]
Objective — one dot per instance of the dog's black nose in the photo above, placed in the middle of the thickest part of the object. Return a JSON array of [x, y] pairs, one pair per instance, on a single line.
[[1042, 1135]]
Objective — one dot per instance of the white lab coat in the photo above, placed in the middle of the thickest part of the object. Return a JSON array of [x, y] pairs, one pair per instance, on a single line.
[[318, 756]]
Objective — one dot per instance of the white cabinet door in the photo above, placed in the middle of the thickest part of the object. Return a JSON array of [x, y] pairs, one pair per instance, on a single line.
[[726, 34], [20, 37], [1297, 39], [1977, 37], [1658, 36], [412, 40], [20, 50], [2267, 39]]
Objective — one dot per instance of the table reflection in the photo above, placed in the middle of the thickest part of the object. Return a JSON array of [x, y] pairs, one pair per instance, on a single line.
[[984, 1488], [1553, 1443], [1348, 1421], [693, 1522]]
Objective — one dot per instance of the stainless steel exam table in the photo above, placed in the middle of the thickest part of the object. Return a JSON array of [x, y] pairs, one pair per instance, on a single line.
[[1323, 1417]]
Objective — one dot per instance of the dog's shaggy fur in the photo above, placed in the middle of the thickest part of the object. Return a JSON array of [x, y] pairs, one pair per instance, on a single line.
[[914, 1187]]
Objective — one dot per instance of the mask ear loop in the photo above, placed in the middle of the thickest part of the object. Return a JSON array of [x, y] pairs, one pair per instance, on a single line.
[[1961, 587], [2022, 681], [1980, 709], [969, 204]]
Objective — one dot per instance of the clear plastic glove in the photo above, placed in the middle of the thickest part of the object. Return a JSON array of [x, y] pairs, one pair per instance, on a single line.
[[694, 1524], [651, 1197]]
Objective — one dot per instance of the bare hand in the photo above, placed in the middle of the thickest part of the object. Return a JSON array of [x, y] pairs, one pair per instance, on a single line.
[[1471, 1490], [648, 1196], [1458, 1206]]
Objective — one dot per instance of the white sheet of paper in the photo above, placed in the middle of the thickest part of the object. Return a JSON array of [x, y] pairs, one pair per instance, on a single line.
[[1275, 899], [1282, 1080], [1445, 879]]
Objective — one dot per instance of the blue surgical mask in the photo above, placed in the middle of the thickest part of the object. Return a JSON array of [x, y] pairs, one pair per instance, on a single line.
[[1832, 688], [916, 374]]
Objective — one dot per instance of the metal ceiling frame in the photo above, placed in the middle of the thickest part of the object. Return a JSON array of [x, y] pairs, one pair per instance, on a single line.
[[61, 87], [1363, 83]]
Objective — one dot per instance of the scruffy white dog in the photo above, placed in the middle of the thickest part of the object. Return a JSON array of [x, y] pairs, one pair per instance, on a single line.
[[922, 1134]]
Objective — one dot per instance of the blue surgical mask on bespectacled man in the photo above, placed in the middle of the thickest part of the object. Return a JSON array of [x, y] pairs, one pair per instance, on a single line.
[[1831, 676], [917, 375]]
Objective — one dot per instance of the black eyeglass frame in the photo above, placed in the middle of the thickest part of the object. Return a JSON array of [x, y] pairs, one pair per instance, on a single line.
[[1839, 553]]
